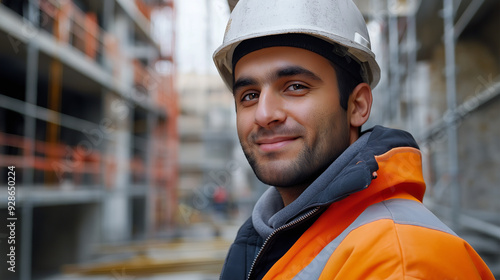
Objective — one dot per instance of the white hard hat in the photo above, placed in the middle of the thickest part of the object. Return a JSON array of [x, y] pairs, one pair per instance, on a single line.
[[335, 21]]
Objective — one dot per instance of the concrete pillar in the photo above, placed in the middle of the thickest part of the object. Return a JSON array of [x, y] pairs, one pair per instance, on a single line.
[[115, 206]]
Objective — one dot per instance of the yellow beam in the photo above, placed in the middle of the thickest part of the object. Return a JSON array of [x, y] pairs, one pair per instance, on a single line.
[[54, 104], [205, 256]]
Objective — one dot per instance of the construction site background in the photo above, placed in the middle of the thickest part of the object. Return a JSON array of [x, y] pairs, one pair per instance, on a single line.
[[118, 152]]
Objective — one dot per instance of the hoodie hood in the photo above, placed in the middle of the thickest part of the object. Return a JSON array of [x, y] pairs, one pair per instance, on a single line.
[[351, 172]]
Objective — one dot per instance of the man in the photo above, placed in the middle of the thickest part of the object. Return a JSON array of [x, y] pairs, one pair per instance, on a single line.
[[344, 204]]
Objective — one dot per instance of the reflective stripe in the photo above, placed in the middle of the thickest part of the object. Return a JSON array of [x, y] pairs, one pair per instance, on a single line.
[[401, 211]]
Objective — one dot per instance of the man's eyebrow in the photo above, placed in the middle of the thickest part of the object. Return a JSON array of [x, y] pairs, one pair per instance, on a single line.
[[293, 71], [243, 82]]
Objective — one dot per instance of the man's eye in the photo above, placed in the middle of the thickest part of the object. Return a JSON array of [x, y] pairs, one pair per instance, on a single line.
[[250, 96], [296, 87]]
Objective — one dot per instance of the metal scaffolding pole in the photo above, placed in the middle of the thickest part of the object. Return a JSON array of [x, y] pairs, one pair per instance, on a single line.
[[394, 63], [467, 16], [31, 99], [380, 17], [40, 113], [449, 41], [29, 133], [411, 46], [150, 176]]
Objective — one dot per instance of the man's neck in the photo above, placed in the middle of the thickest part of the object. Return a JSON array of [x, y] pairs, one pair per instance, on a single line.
[[290, 194]]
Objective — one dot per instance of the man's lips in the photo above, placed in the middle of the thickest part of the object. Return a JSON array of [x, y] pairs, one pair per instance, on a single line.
[[274, 143]]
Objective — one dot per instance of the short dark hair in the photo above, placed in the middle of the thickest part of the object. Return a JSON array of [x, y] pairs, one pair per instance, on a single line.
[[346, 82]]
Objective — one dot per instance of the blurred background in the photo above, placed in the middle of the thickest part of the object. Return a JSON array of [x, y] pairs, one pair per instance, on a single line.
[[122, 135]]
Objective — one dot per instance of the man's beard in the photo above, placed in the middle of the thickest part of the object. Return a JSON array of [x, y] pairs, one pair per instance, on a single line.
[[304, 168]]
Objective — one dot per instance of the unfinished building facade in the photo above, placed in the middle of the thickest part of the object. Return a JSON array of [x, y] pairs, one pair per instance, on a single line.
[[88, 121]]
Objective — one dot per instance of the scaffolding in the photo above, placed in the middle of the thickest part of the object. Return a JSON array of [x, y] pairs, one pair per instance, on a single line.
[[88, 118], [439, 128]]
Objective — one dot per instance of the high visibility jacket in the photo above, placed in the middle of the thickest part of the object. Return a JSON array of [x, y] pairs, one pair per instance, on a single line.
[[368, 223]]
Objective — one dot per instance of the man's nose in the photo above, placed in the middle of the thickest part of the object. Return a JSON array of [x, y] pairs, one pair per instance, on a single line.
[[269, 109]]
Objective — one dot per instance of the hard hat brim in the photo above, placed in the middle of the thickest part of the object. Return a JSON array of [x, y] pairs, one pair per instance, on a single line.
[[223, 55]]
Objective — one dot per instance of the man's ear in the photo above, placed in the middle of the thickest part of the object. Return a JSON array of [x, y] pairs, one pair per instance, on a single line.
[[360, 105]]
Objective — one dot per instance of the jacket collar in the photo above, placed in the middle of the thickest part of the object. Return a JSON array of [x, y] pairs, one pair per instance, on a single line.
[[351, 172]]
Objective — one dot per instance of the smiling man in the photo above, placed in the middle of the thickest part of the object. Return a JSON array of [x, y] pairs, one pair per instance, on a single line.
[[290, 121], [344, 204]]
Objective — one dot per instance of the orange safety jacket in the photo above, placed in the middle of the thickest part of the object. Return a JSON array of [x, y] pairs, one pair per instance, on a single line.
[[380, 231]]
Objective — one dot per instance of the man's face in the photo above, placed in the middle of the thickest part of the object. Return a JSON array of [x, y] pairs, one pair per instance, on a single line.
[[290, 123]]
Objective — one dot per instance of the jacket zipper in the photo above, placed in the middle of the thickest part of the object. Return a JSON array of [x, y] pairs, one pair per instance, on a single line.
[[293, 223]]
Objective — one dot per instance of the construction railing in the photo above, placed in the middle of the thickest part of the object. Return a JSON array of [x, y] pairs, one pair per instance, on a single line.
[[72, 164]]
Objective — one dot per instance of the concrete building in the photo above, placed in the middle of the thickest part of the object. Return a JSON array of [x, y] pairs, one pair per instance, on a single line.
[[88, 122], [206, 130]]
